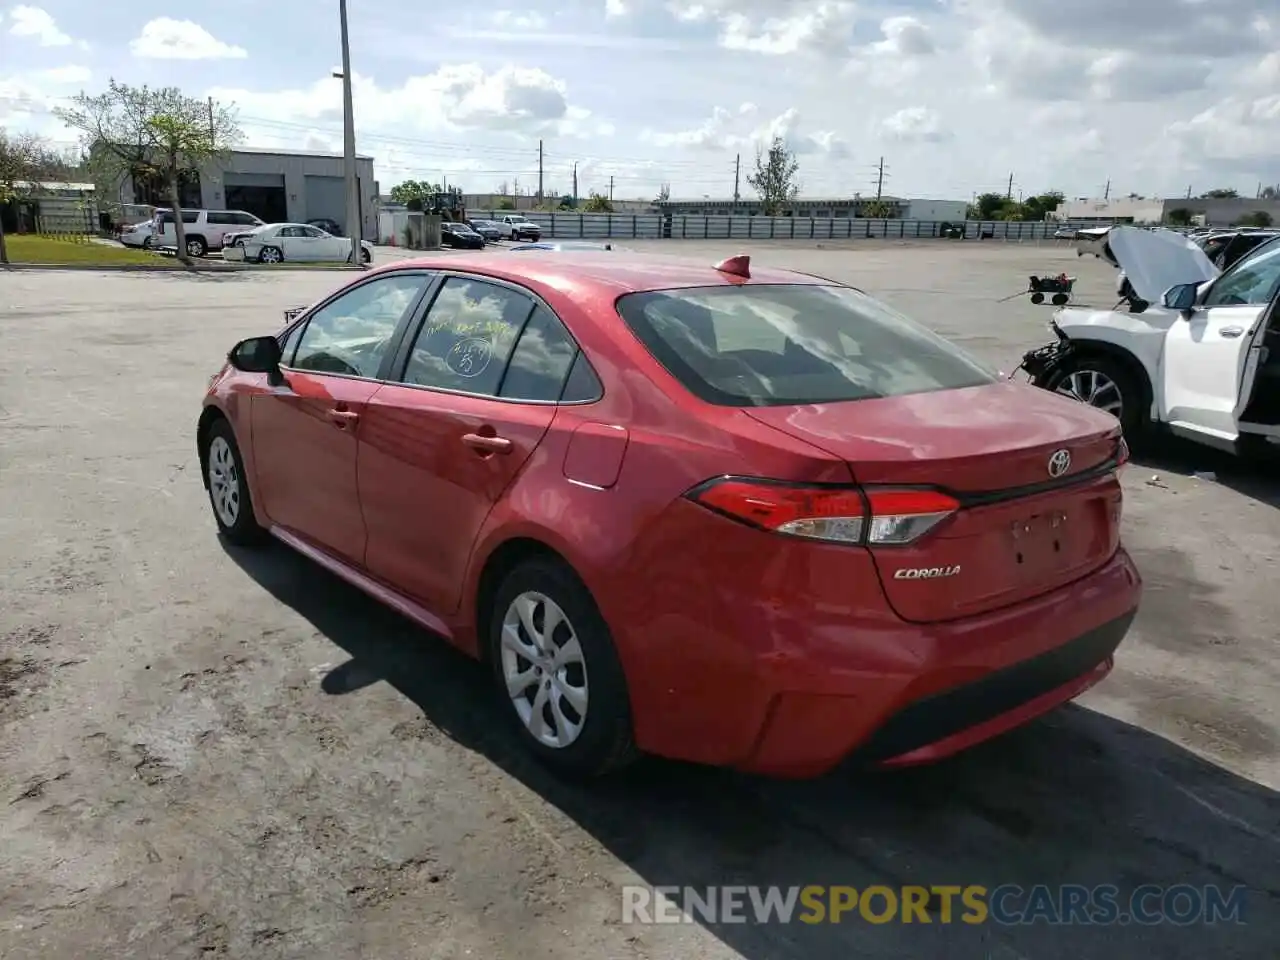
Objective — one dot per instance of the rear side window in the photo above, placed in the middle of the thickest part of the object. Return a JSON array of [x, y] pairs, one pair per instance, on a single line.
[[540, 361], [784, 344]]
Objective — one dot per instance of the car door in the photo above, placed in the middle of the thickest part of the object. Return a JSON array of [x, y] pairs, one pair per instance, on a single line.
[[476, 392], [298, 244], [1205, 352], [305, 431]]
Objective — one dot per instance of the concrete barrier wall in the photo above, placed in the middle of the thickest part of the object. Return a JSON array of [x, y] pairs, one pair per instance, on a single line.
[[617, 226]]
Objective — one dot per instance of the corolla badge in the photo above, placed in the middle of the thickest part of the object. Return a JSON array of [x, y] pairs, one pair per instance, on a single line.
[[926, 573], [1059, 462]]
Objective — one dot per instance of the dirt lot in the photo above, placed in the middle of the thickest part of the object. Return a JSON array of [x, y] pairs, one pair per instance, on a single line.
[[206, 753]]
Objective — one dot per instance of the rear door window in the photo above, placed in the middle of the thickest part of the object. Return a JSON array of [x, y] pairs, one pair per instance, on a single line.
[[467, 336], [785, 344]]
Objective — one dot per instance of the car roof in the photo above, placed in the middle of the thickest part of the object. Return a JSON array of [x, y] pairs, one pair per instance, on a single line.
[[615, 272]]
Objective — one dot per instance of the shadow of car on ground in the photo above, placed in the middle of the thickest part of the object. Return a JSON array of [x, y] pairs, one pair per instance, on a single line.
[[1075, 798], [1256, 476]]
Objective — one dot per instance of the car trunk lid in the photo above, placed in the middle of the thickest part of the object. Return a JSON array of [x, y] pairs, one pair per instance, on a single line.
[[1021, 527]]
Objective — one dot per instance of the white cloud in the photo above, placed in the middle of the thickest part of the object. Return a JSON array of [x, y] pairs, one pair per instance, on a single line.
[[512, 20], [822, 27], [916, 125], [37, 24], [167, 39], [511, 100], [615, 8], [738, 129]]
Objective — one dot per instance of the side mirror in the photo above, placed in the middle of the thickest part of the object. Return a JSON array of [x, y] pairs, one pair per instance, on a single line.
[[257, 355], [1181, 297]]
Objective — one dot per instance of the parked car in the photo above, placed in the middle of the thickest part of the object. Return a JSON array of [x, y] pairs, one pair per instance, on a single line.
[[565, 245], [203, 229], [280, 242], [460, 235], [138, 235], [331, 227], [1228, 246], [491, 232], [735, 516], [516, 226], [1200, 359]]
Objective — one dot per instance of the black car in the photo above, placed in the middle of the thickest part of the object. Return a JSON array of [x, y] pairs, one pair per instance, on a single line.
[[328, 226], [1228, 246], [491, 232], [460, 235]]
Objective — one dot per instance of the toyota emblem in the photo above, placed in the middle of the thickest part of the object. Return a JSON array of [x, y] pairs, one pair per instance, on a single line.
[[1059, 462]]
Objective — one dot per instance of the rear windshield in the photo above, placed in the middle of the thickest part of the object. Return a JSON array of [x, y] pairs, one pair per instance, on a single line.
[[783, 344]]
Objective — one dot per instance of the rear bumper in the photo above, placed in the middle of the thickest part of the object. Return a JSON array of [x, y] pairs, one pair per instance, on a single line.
[[790, 662]]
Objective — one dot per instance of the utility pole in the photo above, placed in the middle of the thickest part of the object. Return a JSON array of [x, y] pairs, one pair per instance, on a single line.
[[737, 172], [880, 181], [540, 173], [575, 183], [611, 189], [213, 130], [1106, 191], [1008, 195], [1188, 191], [349, 142]]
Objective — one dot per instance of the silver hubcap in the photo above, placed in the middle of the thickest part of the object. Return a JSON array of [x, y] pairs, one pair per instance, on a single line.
[[544, 669], [271, 256], [1094, 388], [193, 248], [224, 481]]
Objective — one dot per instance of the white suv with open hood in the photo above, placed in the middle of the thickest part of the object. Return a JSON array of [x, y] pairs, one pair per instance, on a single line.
[[1196, 352]]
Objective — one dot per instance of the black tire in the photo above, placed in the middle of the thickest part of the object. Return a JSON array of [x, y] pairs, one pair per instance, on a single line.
[[196, 247], [1135, 413], [244, 530], [1037, 297], [606, 742], [146, 243], [1059, 299], [366, 255]]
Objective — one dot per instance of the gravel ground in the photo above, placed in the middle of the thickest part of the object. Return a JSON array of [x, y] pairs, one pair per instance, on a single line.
[[208, 753]]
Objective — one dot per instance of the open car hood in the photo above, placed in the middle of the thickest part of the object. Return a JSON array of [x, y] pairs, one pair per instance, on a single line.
[[1155, 260]]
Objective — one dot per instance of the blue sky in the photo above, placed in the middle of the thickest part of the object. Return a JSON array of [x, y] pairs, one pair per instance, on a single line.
[[1151, 95]]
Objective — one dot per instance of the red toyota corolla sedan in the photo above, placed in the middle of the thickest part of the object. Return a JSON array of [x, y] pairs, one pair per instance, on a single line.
[[735, 516]]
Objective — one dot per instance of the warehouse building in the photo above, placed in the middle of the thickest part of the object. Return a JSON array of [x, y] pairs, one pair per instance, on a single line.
[[276, 185]]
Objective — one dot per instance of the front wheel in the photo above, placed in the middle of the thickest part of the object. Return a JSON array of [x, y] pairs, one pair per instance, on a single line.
[[196, 247], [228, 487], [1106, 384], [558, 671]]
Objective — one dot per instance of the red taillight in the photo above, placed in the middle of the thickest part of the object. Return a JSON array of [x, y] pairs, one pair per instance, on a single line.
[[881, 516]]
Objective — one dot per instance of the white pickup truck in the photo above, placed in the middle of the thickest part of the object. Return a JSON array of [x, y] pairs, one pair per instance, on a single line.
[[516, 227], [1197, 351]]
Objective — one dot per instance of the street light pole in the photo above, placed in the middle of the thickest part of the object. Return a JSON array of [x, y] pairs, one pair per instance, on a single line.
[[349, 143]]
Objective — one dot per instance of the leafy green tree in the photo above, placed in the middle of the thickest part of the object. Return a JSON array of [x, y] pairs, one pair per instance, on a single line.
[[24, 158], [1259, 218], [1221, 193], [988, 206], [160, 132], [415, 194], [597, 203], [774, 179], [1179, 217]]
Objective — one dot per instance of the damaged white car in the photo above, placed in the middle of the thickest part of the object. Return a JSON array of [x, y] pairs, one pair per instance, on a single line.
[[1195, 350]]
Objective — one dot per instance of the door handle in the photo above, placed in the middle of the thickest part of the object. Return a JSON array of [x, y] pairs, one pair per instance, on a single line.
[[1232, 332], [343, 418], [487, 444]]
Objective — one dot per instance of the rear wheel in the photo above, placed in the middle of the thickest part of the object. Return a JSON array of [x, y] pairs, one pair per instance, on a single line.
[[1106, 384], [270, 255], [196, 247], [558, 671]]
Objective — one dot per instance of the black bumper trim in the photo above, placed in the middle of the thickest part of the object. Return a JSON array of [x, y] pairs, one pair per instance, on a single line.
[[947, 713]]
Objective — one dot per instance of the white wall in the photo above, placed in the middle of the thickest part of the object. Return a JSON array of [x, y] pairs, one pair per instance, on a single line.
[[936, 209]]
